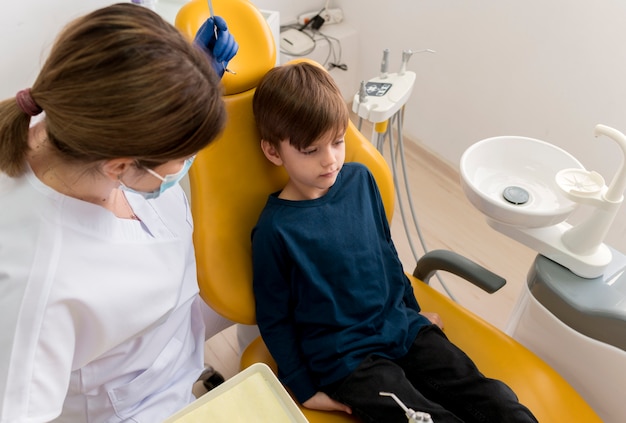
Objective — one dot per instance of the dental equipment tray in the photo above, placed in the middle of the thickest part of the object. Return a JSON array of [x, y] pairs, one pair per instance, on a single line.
[[253, 395]]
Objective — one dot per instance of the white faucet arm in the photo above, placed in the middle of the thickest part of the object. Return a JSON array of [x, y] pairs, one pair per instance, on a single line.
[[617, 187]]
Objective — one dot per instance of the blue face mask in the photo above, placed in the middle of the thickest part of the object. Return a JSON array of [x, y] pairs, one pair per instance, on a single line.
[[167, 181]]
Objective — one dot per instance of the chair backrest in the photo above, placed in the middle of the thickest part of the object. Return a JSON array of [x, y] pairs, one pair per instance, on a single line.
[[231, 179]]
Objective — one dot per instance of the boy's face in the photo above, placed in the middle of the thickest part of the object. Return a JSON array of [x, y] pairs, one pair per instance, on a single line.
[[313, 170]]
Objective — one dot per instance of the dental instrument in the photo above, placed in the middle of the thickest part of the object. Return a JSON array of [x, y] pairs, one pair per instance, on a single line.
[[384, 64], [362, 93], [212, 15], [412, 415]]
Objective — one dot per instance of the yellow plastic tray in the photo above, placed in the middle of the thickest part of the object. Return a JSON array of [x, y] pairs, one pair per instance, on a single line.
[[253, 395]]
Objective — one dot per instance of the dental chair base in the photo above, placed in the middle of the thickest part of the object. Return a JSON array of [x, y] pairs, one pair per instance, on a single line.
[[578, 326]]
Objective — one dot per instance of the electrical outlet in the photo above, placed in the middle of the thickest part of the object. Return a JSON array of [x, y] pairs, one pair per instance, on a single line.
[[331, 16], [306, 17]]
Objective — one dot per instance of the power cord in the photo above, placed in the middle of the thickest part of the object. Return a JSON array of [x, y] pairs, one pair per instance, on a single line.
[[333, 58], [343, 66], [316, 21]]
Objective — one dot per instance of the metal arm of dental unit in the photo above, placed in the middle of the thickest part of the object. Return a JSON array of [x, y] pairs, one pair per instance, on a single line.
[[580, 248]]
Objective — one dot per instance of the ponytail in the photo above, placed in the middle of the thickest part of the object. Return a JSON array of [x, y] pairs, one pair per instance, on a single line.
[[14, 123]]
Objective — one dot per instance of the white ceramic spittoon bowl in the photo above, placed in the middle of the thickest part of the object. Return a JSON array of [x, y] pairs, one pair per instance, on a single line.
[[511, 180]]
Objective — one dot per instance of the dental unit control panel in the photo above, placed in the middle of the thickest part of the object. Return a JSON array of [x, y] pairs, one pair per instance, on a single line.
[[383, 96]]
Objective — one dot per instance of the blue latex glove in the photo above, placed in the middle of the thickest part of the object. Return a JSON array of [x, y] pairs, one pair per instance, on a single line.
[[217, 43]]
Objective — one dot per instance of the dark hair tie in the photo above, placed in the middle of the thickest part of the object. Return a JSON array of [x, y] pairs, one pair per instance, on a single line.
[[26, 103]]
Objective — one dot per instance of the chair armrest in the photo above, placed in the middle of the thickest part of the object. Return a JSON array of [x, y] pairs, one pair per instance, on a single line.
[[461, 266]]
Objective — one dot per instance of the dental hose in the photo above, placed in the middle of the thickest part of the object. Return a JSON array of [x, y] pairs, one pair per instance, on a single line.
[[389, 132]]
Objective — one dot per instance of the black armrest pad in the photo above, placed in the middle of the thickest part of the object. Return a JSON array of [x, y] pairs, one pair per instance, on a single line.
[[455, 263]]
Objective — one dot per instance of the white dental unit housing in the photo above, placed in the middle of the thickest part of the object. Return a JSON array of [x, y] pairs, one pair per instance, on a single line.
[[572, 312]]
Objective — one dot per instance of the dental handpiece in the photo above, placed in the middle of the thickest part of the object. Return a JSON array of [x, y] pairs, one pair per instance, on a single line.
[[384, 65], [362, 93], [412, 415]]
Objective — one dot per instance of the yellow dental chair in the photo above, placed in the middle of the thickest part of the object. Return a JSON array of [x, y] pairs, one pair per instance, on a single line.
[[230, 181]]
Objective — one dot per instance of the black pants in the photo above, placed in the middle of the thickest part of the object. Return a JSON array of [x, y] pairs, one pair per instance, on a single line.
[[435, 377]]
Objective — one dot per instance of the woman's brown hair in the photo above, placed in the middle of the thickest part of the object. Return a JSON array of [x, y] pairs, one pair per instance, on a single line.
[[299, 102], [119, 82]]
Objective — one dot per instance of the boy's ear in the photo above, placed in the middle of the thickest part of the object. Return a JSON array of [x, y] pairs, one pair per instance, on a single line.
[[271, 153]]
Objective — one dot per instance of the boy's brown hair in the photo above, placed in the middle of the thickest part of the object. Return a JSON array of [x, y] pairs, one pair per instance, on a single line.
[[299, 102]]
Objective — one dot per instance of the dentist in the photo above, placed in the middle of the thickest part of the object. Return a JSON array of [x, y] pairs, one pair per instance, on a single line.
[[100, 317]]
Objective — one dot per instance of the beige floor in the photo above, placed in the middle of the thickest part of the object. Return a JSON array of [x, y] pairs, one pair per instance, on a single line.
[[447, 221]]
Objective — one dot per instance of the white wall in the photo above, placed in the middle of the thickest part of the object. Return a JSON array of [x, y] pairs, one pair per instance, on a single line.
[[27, 31], [289, 9]]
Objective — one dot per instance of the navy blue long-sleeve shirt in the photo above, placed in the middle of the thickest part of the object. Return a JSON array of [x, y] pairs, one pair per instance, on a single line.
[[328, 284]]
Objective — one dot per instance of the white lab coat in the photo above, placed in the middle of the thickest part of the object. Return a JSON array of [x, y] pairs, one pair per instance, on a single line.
[[100, 318]]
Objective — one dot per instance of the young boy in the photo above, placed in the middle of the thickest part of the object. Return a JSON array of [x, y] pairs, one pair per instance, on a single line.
[[333, 303]]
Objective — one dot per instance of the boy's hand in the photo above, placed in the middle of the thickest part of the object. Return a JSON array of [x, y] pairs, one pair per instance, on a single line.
[[434, 318], [321, 401]]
